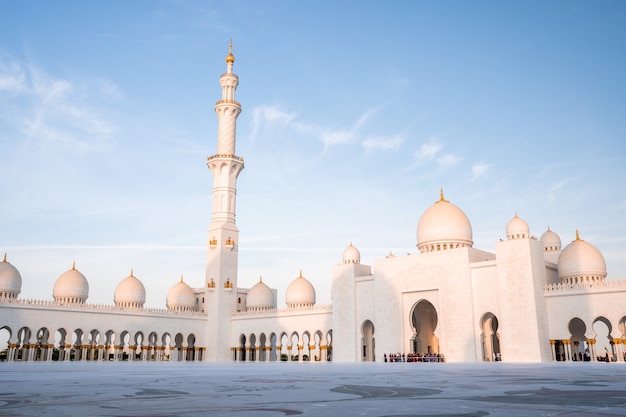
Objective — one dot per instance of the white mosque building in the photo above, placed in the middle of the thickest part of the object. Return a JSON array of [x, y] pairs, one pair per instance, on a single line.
[[529, 300]]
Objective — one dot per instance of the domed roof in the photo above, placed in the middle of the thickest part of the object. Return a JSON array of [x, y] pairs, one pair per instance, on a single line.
[[351, 255], [580, 259], [10, 279], [181, 297], [517, 228], [130, 292], [230, 58], [550, 240], [443, 226], [260, 296], [71, 286], [300, 293]]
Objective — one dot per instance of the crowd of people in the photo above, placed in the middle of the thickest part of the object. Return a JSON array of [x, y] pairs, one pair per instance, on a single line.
[[414, 357]]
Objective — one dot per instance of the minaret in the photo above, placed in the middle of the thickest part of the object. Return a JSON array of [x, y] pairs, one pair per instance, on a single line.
[[223, 235]]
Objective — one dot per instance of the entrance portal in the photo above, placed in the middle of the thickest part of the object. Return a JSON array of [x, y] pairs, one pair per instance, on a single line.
[[424, 322], [491, 338], [367, 342]]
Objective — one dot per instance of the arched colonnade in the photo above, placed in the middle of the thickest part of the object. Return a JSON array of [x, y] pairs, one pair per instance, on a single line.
[[24, 344], [283, 346]]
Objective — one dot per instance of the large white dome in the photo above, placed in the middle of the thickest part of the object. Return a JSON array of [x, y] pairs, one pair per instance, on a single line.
[[260, 297], [10, 280], [551, 241], [181, 297], [517, 228], [581, 262], [443, 226], [351, 255], [71, 287], [300, 293], [130, 292]]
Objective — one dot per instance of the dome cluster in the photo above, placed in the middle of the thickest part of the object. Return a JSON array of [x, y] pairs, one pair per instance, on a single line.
[[71, 287], [444, 226]]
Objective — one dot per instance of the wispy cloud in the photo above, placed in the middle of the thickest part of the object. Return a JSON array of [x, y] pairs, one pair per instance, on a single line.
[[427, 152], [349, 135], [267, 116], [270, 117], [448, 160], [52, 111], [383, 143], [12, 77], [479, 170]]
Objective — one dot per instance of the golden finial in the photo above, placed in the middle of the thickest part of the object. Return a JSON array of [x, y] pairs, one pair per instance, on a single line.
[[300, 274], [181, 278], [441, 197], [230, 58], [260, 279], [5, 257], [577, 235], [131, 272], [74, 266]]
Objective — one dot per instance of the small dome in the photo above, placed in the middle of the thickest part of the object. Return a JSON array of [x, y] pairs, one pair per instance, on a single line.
[[10, 280], [551, 241], [181, 297], [130, 292], [300, 293], [351, 255], [230, 58], [260, 297], [71, 287], [443, 226], [581, 262], [517, 228]]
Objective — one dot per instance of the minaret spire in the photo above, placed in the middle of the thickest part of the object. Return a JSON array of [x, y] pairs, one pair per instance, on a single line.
[[223, 235]]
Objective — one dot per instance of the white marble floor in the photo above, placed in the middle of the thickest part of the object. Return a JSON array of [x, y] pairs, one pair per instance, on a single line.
[[310, 389]]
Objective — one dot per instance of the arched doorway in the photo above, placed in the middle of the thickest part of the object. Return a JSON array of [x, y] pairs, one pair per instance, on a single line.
[[604, 341], [490, 338], [577, 329], [242, 348], [424, 322], [367, 342]]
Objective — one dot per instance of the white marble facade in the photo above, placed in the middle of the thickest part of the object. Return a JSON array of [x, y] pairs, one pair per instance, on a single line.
[[527, 301]]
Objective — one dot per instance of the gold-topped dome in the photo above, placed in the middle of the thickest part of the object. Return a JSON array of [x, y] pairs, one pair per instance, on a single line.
[[230, 58]]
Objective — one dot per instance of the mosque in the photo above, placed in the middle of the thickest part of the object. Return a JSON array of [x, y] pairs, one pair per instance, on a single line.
[[529, 300]]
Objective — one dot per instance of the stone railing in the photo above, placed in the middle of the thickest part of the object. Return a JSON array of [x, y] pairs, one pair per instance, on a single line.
[[97, 307], [225, 155], [324, 308], [585, 286]]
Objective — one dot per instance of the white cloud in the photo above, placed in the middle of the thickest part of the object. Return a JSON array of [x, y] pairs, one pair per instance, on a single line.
[[427, 152], [51, 111], [338, 137], [384, 143], [12, 77], [479, 170], [448, 160], [268, 116]]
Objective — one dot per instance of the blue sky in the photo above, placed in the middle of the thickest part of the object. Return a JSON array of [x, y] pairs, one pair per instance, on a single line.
[[354, 116]]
